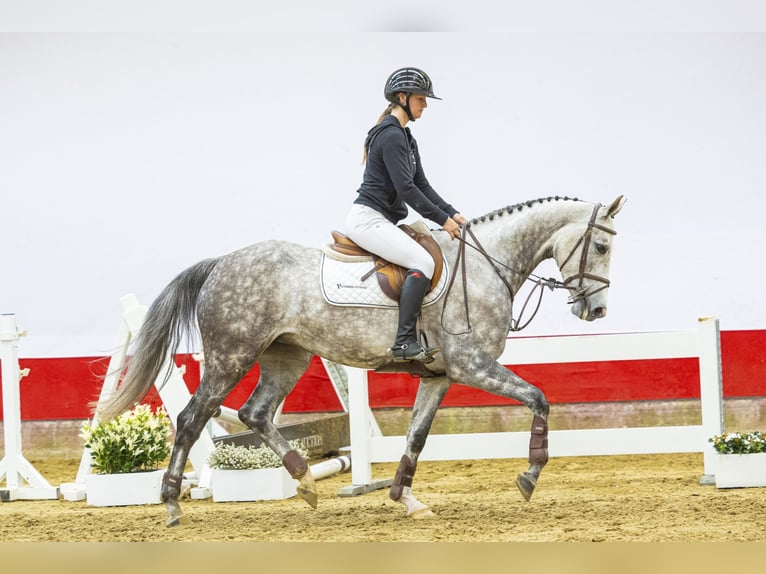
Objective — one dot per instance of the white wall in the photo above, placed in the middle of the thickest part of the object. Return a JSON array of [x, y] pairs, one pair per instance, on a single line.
[[125, 158]]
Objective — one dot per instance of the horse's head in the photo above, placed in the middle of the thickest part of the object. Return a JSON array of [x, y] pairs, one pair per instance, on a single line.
[[583, 252]]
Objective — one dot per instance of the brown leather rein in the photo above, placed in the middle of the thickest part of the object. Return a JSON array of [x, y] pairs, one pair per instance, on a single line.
[[540, 282]]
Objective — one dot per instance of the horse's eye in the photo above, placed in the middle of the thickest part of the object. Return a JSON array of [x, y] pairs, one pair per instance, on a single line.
[[600, 248]]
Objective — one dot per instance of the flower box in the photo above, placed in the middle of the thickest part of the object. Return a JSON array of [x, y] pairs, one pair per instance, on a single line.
[[124, 489], [740, 470], [250, 485]]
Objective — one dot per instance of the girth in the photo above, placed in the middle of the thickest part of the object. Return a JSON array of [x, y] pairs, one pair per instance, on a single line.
[[390, 275]]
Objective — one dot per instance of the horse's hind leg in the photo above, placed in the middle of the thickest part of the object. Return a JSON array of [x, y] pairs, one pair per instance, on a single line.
[[203, 404], [430, 394], [281, 367]]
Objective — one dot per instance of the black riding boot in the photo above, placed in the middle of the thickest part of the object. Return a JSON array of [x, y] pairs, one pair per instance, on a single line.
[[406, 347]]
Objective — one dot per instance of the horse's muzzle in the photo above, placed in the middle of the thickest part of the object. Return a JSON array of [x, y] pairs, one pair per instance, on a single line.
[[583, 310]]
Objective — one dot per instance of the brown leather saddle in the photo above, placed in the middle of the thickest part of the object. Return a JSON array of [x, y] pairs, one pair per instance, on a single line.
[[390, 275]]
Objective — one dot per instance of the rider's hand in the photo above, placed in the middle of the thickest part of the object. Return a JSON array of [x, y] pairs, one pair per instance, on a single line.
[[451, 227], [459, 219]]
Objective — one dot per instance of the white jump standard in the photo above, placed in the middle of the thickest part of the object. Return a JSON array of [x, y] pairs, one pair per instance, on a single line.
[[22, 480]]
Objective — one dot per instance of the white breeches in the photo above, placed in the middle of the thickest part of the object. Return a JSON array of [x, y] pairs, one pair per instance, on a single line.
[[373, 232]]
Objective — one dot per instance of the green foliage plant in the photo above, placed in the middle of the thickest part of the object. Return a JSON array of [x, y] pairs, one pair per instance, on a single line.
[[136, 441], [739, 443]]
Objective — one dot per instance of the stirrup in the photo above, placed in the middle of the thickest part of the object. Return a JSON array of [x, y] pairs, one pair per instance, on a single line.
[[413, 352]]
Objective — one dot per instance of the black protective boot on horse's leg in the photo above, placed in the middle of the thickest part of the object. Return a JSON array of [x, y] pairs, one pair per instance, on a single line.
[[406, 346]]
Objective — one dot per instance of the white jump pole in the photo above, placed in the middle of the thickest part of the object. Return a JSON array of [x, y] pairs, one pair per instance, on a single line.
[[23, 481], [331, 466]]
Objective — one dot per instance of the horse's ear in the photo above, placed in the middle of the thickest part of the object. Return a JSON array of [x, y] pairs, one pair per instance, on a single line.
[[616, 206]]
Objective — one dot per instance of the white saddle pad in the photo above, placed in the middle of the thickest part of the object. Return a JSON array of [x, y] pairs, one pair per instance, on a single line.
[[342, 284]]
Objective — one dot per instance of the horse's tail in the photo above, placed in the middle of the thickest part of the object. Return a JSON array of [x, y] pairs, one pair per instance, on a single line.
[[169, 320]]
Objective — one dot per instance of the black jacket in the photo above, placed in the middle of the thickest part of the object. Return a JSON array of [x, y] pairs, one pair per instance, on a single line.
[[394, 178]]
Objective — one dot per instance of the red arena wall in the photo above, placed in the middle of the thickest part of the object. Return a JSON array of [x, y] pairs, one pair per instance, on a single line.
[[63, 388]]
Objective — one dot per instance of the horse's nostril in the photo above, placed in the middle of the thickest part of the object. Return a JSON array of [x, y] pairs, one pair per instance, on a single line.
[[599, 312]]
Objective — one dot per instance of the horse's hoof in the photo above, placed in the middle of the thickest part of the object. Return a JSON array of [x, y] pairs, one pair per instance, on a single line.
[[526, 484], [174, 513], [309, 496], [421, 514]]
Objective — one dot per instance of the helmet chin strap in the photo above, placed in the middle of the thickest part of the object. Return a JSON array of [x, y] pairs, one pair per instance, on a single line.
[[406, 106]]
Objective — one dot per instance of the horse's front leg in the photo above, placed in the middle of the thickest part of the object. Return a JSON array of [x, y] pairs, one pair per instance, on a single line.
[[538, 456], [430, 394], [493, 377]]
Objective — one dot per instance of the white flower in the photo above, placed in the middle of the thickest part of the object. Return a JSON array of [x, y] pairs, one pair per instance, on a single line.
[[233, 457]]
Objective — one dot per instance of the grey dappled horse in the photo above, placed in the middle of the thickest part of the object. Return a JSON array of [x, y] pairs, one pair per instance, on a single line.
[[263, 304]]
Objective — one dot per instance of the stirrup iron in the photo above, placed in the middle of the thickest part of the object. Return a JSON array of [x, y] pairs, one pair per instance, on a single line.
[[416, 353]]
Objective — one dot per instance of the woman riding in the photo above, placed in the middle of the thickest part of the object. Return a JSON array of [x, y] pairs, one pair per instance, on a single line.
[[393, 179]]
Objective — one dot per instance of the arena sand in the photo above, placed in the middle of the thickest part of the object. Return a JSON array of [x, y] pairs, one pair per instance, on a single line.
[[648, 498]]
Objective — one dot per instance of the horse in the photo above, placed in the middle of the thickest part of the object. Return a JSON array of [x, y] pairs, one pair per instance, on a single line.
[[263, 304]]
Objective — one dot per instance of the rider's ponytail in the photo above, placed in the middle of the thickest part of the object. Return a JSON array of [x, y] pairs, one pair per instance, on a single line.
[[386, 112]]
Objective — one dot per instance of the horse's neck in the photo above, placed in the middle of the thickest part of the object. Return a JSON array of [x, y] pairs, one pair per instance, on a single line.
[[525, 238]]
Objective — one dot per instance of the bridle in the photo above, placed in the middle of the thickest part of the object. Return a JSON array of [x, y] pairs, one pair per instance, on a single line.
[[580, 291]]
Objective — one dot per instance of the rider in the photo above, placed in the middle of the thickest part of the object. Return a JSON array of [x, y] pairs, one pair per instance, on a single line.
[[393, 179]]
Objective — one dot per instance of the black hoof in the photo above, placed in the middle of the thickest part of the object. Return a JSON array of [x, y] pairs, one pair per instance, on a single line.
[[526, 484]]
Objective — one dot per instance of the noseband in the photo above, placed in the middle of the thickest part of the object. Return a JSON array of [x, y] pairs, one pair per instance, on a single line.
[[581, 291]]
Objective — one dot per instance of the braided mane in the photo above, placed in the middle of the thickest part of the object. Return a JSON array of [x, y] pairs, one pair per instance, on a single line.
[[518, 207]]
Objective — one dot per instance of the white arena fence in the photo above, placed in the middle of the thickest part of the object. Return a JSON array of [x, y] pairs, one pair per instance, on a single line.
[[368, 446]]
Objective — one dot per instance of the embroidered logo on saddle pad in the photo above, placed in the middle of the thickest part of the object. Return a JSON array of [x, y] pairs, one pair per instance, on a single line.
[[342, 284]]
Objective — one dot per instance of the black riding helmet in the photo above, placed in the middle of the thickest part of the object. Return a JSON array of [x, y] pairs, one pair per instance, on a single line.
[[409, 81]]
